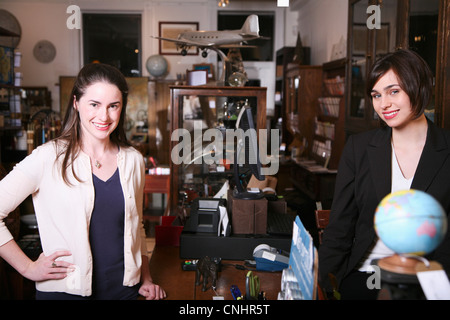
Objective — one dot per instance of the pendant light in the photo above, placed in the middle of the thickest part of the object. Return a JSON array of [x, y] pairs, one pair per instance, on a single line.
[[223, 3]]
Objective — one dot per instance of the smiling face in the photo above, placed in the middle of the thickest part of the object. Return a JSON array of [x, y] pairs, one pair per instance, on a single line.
[[390, 101], [99, 109]]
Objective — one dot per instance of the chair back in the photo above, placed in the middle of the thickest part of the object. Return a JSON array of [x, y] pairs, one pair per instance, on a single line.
[[322, 218]]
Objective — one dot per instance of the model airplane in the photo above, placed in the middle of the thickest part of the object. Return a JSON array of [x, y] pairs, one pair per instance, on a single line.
[[217, 39]]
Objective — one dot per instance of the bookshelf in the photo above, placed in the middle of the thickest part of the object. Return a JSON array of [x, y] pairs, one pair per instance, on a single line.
[[316, 106], [329, 134], [303, 88]]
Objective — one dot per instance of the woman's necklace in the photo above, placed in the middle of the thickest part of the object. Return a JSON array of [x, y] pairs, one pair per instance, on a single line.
[[97, 164]]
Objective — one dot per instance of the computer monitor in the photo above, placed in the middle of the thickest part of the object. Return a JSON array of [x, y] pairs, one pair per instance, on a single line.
[[247, 143]]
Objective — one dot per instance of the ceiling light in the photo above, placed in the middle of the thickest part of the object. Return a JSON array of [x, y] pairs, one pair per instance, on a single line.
[[223, 3]]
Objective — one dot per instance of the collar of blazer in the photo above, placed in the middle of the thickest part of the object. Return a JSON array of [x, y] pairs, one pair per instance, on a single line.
[[434, 154]]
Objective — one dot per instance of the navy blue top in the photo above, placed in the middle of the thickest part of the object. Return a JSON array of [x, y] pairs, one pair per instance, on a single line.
[[107, 240]]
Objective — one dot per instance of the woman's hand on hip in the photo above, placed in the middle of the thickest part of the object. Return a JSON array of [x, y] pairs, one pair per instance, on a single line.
[[48, 268]]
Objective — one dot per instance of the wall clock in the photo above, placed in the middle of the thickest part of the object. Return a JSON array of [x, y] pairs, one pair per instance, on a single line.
[[44, 51]]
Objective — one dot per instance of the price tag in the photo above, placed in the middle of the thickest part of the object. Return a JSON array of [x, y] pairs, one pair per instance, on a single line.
[[434, 281]]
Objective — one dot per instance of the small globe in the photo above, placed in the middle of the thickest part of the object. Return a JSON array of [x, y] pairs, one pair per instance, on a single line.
[[410, 222], [156, 65], [237, 79]]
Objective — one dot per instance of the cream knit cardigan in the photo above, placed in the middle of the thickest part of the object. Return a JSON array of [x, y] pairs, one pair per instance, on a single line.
[[63, 212]]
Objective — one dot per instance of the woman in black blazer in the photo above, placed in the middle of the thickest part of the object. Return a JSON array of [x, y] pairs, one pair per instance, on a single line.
[[409, 152]]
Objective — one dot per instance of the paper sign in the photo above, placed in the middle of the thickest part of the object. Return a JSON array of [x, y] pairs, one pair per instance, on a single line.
[[301, 259], [435, 284]]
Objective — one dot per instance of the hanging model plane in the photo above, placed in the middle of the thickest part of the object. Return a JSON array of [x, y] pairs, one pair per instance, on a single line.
[[217, 39]]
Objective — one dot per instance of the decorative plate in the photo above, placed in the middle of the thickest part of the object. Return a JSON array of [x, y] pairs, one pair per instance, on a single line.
[[44, 51]]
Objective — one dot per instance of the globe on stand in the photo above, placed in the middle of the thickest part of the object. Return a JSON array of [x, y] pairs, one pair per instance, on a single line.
[[412, 224], [157, 66]]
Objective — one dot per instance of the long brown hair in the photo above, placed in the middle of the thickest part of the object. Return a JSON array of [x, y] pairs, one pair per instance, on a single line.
[[71, 131]]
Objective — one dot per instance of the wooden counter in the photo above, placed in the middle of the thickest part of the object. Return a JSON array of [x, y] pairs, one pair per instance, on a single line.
[[166, 271]]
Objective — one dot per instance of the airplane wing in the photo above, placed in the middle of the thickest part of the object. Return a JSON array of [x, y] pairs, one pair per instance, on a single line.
[[167, 39], [186, 42], [230, 46]]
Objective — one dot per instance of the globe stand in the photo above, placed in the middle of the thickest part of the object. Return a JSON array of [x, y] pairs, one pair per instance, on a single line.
[[401, 264], [399, 277]]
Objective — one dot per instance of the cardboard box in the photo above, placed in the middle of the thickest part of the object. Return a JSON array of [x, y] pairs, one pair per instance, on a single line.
[[268, 185], [247, 216]]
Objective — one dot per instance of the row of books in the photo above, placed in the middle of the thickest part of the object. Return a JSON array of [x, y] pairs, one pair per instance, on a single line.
[[329, 106], [322, 150], [324, 129], [335, 86]]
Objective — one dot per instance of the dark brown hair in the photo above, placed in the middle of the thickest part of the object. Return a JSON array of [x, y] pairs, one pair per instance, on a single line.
[[413, 73], [71, 131]]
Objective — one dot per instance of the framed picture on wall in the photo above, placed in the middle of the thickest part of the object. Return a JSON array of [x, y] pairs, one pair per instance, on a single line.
[[171, 30]]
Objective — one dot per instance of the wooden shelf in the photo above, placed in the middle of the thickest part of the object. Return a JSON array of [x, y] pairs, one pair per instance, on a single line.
[[332, 116], [303, 88]]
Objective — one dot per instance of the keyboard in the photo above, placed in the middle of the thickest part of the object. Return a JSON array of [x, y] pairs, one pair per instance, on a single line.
[[279, 223]]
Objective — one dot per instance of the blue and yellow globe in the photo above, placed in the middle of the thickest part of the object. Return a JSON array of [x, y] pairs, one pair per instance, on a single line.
[[410, 222]]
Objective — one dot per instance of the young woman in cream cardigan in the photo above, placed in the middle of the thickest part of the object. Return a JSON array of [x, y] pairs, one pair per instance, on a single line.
[[87, 189]]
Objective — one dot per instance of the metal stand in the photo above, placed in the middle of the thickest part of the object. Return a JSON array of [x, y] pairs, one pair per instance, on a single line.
[[221, 81]]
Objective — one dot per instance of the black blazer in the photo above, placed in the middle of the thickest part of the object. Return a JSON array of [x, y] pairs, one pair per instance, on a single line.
[[363, 180]]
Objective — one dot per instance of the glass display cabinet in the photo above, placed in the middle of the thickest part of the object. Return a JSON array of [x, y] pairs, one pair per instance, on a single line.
[[364, 47], [199, 166]]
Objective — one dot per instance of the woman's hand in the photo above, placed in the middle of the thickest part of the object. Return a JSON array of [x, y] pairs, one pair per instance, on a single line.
[[47, 268], [151, 291]]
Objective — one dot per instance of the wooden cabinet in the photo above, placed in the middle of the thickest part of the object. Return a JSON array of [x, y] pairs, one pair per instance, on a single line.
[[310, 115], [304, 87], [202, 108], [159, 120], [284, 56]]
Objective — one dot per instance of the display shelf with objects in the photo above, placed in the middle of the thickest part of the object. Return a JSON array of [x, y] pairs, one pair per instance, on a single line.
[[195, 109]]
